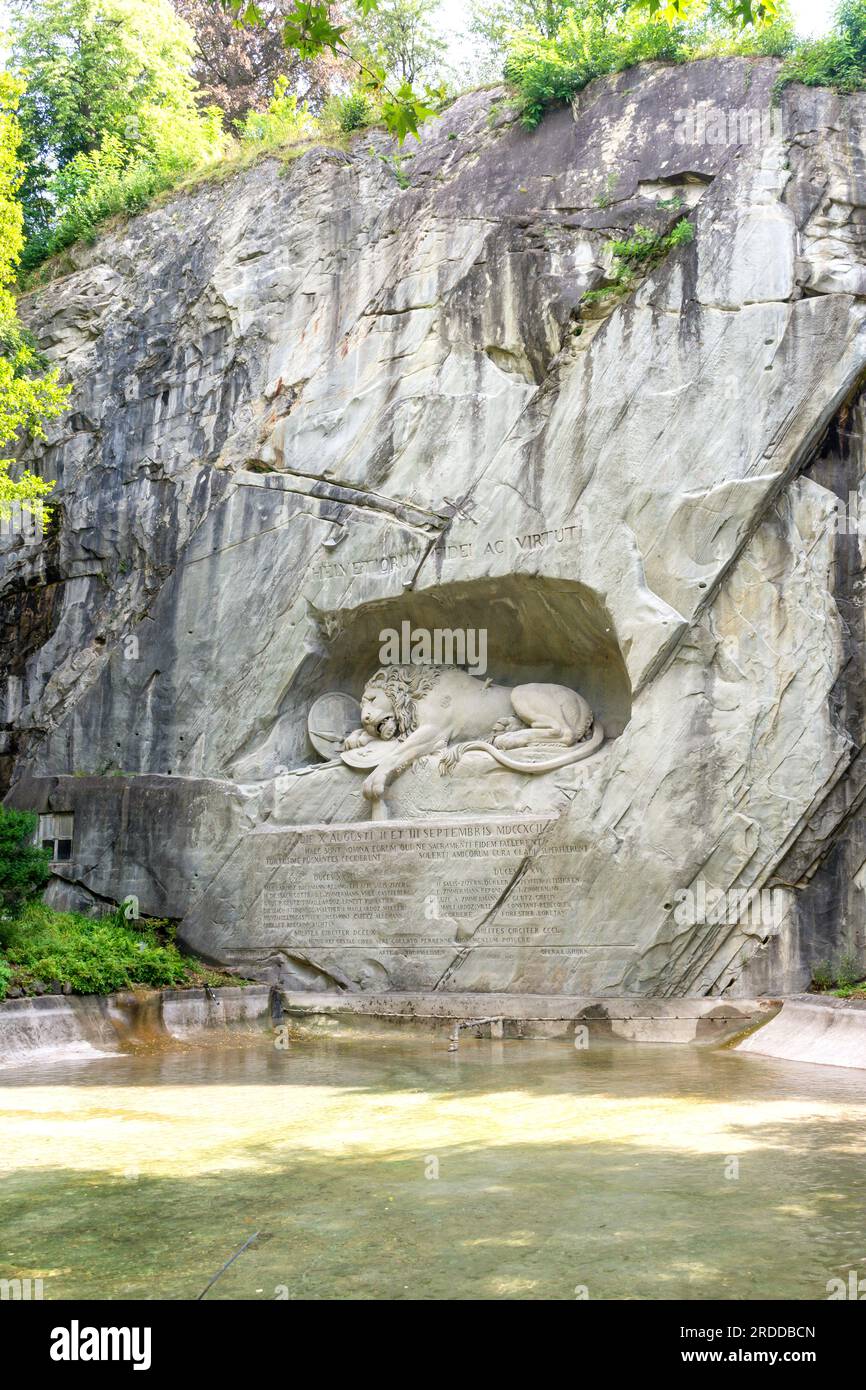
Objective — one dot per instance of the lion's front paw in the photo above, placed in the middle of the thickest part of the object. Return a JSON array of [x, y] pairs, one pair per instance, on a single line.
[[374, 785], [356, 739]]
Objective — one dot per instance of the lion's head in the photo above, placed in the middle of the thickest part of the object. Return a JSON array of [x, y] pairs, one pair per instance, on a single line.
[[388, 703]]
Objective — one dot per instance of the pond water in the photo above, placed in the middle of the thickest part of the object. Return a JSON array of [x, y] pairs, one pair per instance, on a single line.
[[391, 1169]]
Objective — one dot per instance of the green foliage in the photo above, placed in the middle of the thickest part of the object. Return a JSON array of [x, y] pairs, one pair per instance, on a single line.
[[403, 112], [98, 70], [308, 29], [637, 255], [551, 71], [495, 21], [108, 114], [848, 972], [844, 977], [389, 42], [717, 26], [644, 247], [774, 39], [122, 190], [602, 36], [736, 12], [394, 162], [603, 200], [838, 61], [354, 111], [286, 120], [24, 867], [399, 38], [94, 955], [28, 394], [822, 975]]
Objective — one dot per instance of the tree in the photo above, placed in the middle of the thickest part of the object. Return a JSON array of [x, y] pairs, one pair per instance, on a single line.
[[310, 29], [24, 868], [236, 67], [28, 395], [737, 12], [98, 71], [401, 38], [495, 22]]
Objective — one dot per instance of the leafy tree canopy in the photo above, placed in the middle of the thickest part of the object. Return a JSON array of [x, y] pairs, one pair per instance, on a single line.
[[404, 44], [381, 39], [27, 394], [401, 39], [102, 74], [23, 868], [236, 67]]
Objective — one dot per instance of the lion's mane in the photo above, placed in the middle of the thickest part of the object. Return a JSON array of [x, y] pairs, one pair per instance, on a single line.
[[404, 685]]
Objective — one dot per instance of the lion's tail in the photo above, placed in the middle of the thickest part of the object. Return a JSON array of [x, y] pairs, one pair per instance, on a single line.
[[573, 755]]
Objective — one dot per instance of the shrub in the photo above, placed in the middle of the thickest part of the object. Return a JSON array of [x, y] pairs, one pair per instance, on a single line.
[[593, 41], [822, 974], [549, 71], [286, 120], [24, 868], [5, 977], [774, 40], [351, 112], [126, 190], [843, 977], [838, 61], [644, 247], [637, 255], [114, 179], [94, 955], [848, 972]]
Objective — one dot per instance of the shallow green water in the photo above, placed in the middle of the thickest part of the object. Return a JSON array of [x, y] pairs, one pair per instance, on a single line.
[[138, 1176]]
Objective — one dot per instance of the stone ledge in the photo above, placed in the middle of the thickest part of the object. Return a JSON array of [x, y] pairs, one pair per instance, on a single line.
[[54, 1027], [814, 1029], [630, 1018]]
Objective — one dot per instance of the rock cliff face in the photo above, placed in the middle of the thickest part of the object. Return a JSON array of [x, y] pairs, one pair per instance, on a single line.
[[311, 404]]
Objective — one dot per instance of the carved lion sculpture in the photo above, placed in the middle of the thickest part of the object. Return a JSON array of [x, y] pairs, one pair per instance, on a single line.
[[430, 709]]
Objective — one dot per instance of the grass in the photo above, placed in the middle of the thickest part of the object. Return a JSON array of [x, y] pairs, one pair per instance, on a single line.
[[42, 950]]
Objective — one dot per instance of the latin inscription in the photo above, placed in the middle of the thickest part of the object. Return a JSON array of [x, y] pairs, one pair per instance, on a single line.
[[448, 551], [410, 885]]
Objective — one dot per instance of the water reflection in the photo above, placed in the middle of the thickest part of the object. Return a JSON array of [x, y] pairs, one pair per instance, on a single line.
[[397, 1170]]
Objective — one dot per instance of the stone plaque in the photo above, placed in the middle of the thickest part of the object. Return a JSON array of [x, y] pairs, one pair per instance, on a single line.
[[417, 903], [371, 884]]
